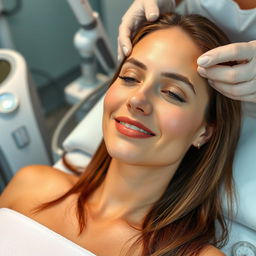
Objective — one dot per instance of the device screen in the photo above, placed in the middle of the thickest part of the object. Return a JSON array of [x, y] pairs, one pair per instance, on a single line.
[[5, 69]]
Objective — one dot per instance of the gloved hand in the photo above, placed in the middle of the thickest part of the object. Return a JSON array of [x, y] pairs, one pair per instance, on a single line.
[[236, 82], [139, 11]]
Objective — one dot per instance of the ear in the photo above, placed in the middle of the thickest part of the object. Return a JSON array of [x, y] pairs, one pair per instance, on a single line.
[[203, 135]]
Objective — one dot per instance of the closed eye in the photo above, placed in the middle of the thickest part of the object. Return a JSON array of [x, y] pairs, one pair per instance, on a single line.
[[173, 95], [170, 94], [129, 79]]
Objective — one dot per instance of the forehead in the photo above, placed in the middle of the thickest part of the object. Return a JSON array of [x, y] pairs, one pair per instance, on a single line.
[[172, 47]]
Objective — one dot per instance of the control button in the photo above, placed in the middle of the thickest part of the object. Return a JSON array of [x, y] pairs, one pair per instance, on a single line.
[[244, 248], [21, 137], [8, 102]]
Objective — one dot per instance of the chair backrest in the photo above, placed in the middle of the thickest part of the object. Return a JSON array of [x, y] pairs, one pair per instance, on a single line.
[[243, 228], [87, 135]]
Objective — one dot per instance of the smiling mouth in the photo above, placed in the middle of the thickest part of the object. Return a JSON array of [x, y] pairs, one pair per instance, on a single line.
[[132, 128]]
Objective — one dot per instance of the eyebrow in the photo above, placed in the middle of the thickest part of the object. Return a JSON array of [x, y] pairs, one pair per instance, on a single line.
[[174, 76]]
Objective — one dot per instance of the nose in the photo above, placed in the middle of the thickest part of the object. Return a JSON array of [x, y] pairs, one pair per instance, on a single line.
[[139, 103]]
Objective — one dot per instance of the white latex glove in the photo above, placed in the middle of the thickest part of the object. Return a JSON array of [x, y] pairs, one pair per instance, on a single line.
[[138, 12], [236, 82]]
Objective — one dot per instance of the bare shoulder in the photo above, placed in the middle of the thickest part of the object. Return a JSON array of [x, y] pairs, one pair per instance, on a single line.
[[35, 181], [211, 250]]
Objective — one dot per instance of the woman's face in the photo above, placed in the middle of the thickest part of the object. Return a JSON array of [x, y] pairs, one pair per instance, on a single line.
[[159, 87]]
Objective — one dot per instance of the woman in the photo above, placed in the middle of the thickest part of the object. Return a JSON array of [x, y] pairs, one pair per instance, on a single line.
[[153, 186]]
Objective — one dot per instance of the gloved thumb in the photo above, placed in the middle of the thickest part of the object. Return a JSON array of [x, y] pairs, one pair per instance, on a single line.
[[151, 10]]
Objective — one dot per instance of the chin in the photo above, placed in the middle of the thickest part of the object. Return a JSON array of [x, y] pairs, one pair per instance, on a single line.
[[125, 153]]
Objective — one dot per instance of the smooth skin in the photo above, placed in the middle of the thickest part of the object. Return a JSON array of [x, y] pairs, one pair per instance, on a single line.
[[237, 82], [129, 188]]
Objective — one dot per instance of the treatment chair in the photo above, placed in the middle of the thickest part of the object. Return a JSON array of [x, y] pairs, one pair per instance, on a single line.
[[83, 141]]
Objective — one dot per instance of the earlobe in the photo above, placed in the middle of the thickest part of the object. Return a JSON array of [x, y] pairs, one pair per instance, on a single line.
[[208, 132], [204, 136]]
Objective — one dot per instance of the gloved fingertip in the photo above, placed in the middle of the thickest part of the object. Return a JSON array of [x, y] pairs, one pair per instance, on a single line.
[[202, 71], [120, 57], [152, 16], [125, 50], [203, 61]]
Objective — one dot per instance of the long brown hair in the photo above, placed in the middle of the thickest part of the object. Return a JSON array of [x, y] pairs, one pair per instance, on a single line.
[[184, 219]]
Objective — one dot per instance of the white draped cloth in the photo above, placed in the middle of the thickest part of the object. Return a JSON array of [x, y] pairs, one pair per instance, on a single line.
[[23, 236]]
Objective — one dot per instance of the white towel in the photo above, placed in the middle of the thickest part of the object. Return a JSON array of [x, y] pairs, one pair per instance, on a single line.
[[22, 236]]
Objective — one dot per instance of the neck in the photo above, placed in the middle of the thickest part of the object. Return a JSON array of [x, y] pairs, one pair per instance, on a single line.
[[128, 191]]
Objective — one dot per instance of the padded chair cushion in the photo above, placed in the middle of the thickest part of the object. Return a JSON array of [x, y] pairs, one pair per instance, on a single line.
[[77, 158], [245, 174], [87, 135]]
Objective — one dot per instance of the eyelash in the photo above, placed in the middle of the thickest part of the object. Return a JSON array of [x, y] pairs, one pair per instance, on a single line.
[[174, 95], [128, 79], [171, 94]]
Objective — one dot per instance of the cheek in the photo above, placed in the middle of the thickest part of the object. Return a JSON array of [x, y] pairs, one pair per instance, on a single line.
[[112, 102], [177, 122], [113, 98]]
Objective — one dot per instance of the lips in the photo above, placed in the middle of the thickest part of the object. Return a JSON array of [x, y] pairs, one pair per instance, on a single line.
[[137, 124]]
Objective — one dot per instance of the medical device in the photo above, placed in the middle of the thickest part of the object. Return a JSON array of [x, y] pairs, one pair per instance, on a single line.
[[23, 139], [91, 41], [5, 34]]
